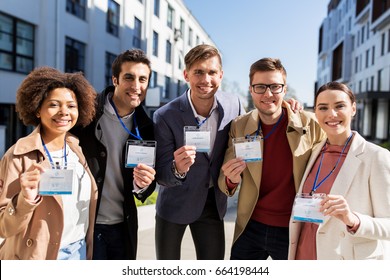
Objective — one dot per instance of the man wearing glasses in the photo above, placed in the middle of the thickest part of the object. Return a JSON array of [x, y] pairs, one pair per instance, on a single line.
[[267, 154]]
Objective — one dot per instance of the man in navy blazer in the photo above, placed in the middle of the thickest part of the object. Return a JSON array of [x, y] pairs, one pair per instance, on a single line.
[[187, 174]]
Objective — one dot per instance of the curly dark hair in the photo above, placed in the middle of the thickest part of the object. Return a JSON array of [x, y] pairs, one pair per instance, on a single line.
[[41, 81]]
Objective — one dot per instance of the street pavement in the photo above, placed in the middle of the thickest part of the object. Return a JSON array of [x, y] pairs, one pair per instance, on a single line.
[[146, 223]]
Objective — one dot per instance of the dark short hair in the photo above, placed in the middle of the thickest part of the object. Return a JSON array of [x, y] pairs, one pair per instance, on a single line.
[[41, 81], [200, 53], [132, 55], [265, 65], [335, 86]]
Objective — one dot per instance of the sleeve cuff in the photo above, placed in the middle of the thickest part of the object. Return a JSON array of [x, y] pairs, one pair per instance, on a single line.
[[230, 185], [355, 227]]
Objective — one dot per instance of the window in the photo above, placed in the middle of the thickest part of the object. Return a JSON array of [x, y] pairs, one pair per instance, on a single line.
[[137, 33], [180, 63], [380, 80], [349, 24], [356, 64], [153, 80], [383, 43], [358, 38], [170, 17], [168, 54], [362, 35], [16, 45], [190, 36], [108, 65], [388, 41], [113, 18], [155, 43], [373, 55], [178, 88], [167, 87], [74, 55], [182, 26], [76, 8], [157, 8], [367, 58], [11, 126], [197, 40]]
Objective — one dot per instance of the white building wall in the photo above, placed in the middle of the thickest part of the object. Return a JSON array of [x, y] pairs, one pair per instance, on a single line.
[[359, 36], [54, 24]]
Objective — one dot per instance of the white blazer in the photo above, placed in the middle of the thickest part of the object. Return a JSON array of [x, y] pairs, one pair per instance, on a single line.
[[364, 181]]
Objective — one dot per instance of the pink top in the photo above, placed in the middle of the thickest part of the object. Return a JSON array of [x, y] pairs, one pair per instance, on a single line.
[[306, 249]]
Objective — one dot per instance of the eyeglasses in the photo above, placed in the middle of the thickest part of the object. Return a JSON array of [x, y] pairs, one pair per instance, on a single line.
[[262, 88]]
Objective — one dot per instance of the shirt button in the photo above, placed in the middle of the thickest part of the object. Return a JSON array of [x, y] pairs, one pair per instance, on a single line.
[[29, 242], [342, 234], [102, 154], [11, 211]]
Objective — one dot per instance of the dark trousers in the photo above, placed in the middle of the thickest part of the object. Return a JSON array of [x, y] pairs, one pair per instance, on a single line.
[[109, 242], [207, 232], [260, 241]]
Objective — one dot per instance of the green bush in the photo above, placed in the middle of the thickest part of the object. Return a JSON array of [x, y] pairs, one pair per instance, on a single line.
[[385, 145], [150, 200]]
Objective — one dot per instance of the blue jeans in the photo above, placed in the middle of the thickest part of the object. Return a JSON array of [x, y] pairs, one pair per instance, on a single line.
[[109, 242], [260, 241], [74, 251]]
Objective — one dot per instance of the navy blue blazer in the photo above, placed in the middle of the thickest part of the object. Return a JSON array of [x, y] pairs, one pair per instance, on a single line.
[[182, 201]]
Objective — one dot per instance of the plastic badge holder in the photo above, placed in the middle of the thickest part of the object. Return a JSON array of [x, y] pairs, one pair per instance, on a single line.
[[306, 208], [198, 137], [140, 151], [248, 148], [58, 180]]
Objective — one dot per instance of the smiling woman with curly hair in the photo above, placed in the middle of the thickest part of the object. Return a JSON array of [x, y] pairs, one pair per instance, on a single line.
[[36, 87], [46, 216]]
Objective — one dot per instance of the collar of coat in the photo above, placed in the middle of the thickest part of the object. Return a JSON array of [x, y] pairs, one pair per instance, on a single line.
[[33, 142]]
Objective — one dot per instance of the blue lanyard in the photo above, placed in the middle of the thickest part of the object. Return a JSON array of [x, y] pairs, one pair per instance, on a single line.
[[138, 136], [315, 185], [202, 122], [50, 158], [273, 128]]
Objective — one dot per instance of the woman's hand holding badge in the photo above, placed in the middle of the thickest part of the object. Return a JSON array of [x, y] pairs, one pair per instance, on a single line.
[[29, 182], [143, 175], [233, 168], [337, 206]]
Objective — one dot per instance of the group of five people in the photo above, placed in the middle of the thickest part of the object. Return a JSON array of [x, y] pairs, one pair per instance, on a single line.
[[309, 187]]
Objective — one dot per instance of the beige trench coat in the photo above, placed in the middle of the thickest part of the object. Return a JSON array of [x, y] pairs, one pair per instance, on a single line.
[[33, 231], [302, 133]]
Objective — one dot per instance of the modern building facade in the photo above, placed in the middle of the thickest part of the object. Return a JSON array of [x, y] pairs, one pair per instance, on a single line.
[[86, 35], [354, 48]]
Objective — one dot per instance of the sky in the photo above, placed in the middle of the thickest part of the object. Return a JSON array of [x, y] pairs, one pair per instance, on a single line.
[[245, 31]]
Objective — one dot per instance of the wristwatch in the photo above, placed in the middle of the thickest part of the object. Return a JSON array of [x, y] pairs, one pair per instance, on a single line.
[[176, 173]]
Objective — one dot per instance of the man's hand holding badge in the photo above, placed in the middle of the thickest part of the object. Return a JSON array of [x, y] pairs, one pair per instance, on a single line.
[[141, 156]]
